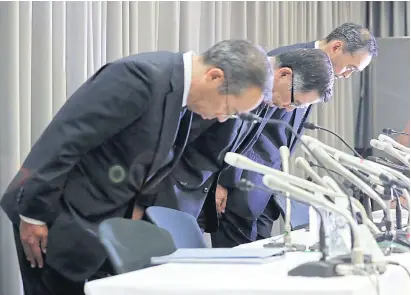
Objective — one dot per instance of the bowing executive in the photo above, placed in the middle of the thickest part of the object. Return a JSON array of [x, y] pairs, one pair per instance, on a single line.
[[249, 215], [113, 140], [192, 184]]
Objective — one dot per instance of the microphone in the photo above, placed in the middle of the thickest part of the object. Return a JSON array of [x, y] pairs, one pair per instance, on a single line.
[[249, 117], [301, 195], [302, 163], [373, 168], [368, 167], [328, 182], [312, 126], [246, 185], [390, 131], [389, 149], [348, 175], [285, 158], [362, 238], [257, 119], [397, 145], [363, 213], [242, 162], [389, 164]]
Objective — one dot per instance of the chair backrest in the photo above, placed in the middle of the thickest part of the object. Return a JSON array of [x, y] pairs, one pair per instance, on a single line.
[[183, 227], [130, 244]]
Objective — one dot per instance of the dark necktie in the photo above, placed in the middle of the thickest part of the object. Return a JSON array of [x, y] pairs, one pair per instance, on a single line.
[[179, 145]]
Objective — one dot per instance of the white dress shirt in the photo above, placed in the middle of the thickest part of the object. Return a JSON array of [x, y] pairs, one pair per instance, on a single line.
[[188, 69]]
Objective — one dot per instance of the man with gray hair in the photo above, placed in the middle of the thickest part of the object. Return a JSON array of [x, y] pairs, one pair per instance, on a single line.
[[247, 216], [112, 141], [202, 166]]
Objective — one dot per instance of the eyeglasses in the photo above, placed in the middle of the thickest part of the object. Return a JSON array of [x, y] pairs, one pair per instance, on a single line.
[[293, 104]]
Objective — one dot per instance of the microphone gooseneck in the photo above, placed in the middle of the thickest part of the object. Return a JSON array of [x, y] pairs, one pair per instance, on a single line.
[[312, 126], [386, 162], [254, 118]]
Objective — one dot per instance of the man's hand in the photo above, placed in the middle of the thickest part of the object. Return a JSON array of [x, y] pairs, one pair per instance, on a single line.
[[34, 239], [138, 212], [220, 198]]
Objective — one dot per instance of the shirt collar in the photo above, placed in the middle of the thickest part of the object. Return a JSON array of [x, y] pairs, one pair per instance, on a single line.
[[188, 70]]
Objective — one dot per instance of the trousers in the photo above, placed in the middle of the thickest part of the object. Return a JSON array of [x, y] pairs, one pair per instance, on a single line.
[[48, 281]]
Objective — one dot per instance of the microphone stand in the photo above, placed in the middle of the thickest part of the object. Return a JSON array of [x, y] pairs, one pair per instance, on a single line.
[[255, 118], [246, 185], [323, 268]]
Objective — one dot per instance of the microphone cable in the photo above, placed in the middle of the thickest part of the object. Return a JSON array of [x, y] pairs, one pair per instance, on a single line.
[[313, 126], [325, 168], [257, 119]]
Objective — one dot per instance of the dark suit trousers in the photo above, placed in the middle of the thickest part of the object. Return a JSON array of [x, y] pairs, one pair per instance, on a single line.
[[47, 281]]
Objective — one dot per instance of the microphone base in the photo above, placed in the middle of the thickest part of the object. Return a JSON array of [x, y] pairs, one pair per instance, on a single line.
[[323, 268], [396, 242], [287, 248]]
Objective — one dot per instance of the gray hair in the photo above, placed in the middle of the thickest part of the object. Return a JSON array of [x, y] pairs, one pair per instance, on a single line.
[[355, 37], [244, 66], [312, 70]]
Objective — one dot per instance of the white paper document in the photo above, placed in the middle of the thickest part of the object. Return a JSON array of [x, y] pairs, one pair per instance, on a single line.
[[221, 255]]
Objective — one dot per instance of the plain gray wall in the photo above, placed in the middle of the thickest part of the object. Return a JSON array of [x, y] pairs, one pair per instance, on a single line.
[[391, 90]]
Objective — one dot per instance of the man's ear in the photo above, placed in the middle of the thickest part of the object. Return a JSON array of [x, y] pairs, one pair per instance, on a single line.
[[215, 75], [337, 46], [283, 73]]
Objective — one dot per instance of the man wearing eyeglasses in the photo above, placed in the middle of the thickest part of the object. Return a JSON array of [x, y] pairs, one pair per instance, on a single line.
[[248, 216], [194, 179]]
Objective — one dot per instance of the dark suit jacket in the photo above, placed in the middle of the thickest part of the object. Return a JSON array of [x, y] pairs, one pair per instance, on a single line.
[[243, 208], [113, 134], [196, 174]]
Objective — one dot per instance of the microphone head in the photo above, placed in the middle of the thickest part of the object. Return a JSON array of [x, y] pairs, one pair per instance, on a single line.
[[385, 138], [238, 161], [249, 117], [377, 144], [284, 151], [387, 131], [310, 125], [245, 185], [231, 158], [299, 162]]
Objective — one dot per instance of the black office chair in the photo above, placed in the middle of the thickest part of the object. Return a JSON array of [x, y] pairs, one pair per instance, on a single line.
[[130, 244], [183, 227]]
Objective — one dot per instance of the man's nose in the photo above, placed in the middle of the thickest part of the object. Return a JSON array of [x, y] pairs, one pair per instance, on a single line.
[[222, 119], [289, 108], [347, 74]]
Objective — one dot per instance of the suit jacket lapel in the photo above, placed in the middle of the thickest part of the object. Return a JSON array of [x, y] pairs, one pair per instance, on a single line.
[[258, 129], [300, 116], [171, 119], [240, 136]]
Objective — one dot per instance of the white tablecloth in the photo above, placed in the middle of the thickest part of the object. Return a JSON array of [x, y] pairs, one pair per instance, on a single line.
[[251, 279]]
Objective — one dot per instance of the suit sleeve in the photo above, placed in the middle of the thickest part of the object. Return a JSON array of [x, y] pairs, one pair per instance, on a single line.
[[109, 101]]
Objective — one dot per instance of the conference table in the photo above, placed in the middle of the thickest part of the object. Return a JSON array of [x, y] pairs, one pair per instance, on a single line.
[[253, 279]]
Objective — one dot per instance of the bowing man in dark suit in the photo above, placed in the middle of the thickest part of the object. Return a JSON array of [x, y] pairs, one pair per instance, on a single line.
[[249, 215], [194, 179], [113, 140]]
